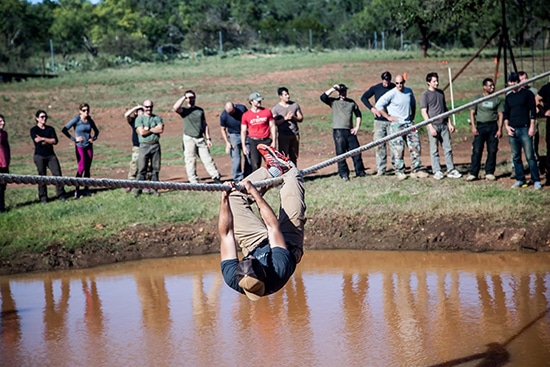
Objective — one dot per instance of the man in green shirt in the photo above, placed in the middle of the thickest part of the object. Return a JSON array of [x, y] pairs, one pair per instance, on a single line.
[[486, 119], [196, 138], [149, 127]]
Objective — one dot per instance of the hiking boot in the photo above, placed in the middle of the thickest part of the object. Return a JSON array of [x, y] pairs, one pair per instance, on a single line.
[[519, 184], [438, 175], [490, 177], [454, 174], [277, 164], [471, 178], [401, 176]]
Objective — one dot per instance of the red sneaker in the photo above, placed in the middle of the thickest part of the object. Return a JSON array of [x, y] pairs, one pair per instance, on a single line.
[[274, 159]]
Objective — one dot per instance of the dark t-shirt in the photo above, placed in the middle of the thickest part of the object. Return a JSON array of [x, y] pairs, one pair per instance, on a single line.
[[132, 122], [233, 121], [544, 92], [279, 265], [519, 108], [377, 90], [41, 149]]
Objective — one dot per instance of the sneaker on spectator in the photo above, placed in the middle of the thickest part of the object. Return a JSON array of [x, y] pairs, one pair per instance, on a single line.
[[454, 174], [519, 184], [401, 176], [345, 178], [490, 177], [438, 175], [471, 178], [538, 185], [277, 164]]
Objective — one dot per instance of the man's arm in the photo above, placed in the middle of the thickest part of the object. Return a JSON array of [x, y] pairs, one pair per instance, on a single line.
[[473, 122], [365, 98], [498, 135], [273, 132], [244, 133], [132, 110], [274, 233], [228, 245], [177, 105]]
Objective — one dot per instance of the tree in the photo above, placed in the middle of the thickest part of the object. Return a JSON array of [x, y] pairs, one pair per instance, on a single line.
[[72, 26]]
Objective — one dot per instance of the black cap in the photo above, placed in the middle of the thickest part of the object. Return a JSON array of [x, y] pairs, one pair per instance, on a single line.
[[513, 77], [386, 75]]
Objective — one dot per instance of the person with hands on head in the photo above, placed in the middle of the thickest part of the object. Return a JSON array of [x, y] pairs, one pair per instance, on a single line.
[[83, 126], [44, 138], [196, 137], [271, 245], [344, 133]]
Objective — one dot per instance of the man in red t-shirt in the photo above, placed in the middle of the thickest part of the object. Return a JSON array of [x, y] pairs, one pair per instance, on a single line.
[[259, 125]]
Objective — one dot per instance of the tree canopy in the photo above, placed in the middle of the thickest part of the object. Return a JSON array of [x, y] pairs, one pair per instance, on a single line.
[[135, 28]]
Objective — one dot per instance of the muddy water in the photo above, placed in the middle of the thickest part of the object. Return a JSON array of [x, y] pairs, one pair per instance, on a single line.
[[347, 308]]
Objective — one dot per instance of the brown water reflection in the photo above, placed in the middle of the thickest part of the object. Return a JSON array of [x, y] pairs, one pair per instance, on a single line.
[[349, 308]]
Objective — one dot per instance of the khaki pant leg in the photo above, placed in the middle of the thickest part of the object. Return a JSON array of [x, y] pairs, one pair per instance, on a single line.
[[293, 208]]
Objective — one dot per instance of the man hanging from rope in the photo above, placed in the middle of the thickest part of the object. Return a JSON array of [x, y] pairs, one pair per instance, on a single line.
[[271, 246]]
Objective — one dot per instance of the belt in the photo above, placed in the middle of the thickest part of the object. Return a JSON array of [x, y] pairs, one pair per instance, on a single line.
[[149, 142], [486, 122], [250, 137]]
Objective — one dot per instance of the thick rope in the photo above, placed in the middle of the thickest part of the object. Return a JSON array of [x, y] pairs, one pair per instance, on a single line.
[[163, 185]]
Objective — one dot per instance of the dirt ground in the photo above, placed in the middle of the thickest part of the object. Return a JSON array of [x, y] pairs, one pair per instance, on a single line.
[[344, 232]]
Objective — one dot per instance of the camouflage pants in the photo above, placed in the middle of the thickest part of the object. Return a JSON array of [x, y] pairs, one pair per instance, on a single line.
[[397, 147]]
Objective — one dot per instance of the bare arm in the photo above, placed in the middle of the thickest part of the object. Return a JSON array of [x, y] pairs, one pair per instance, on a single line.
[[274, 233], [177, 105], [132, 110], [244, 132], [273, 133], [228, 245], [499, 122], [473, 122]]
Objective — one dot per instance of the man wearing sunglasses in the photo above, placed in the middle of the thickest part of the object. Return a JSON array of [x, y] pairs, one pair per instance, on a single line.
[[399, 107]]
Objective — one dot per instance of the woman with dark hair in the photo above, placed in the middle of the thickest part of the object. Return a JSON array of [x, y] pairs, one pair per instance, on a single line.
[[83, 125], [4, 160], [44, 138]]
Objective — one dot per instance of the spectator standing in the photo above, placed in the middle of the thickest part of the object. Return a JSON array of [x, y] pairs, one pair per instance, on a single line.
[[149, 127], [343, 132], [230, 126], [519, 120], [196, 138], [399, 106], [83, 126], [536, 139], [44, 138], [543, 100], [131, 116], [432, 103], [381, 124], [288, 115], [486, 119], [259, 126], [5, 157]]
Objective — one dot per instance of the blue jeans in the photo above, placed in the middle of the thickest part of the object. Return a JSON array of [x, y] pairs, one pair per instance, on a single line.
[[236, 152], [521, 139], [486, 135], [344, 141]]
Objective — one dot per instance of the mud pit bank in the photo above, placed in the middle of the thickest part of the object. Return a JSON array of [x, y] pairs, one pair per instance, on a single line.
[[448, 234]]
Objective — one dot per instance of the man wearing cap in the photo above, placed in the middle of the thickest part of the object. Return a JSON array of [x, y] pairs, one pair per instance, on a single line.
[[343, 132], [399, 106], [196, 138], [271, 246], [259, 126], [381, 124], [519, 120]]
